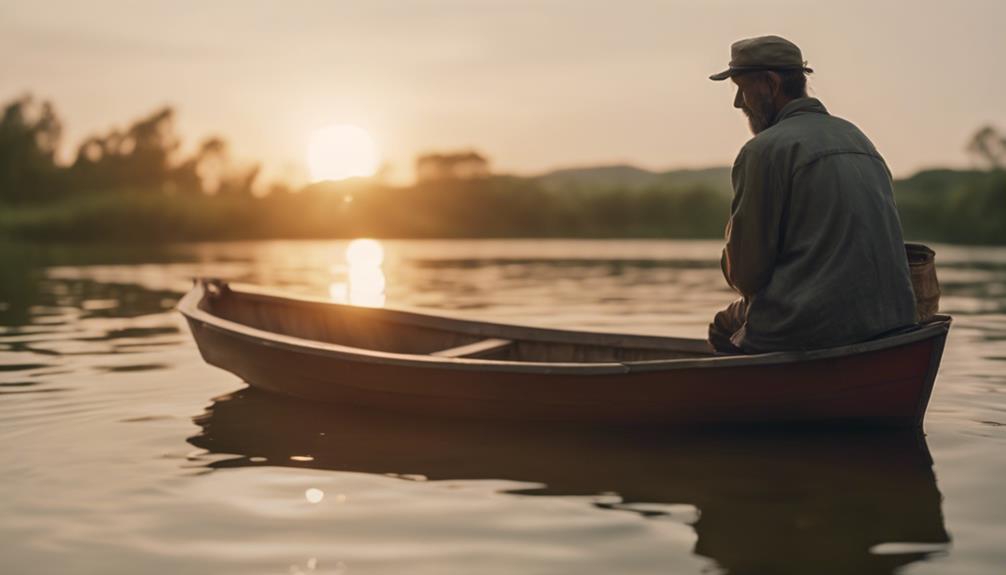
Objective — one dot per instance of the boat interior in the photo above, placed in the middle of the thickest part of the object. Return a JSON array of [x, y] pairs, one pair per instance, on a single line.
[[394, 331]]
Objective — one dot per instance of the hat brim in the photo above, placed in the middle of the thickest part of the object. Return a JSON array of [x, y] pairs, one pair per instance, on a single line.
[[738, 70], [722, 75]]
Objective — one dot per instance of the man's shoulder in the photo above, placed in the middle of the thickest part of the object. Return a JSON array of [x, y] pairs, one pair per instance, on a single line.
[[805, 135], [754, 148], [784, 134], [763, 146]]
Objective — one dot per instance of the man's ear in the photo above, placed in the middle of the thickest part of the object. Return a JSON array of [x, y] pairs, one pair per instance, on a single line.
[[774, 83]]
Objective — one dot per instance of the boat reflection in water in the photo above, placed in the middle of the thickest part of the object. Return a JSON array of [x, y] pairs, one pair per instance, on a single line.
[[361, 281], [768, 502]]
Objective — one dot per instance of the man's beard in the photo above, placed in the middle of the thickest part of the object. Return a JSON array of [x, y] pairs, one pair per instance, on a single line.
[[761, 116]]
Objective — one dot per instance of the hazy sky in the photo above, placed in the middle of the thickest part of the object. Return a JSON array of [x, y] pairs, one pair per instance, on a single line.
[[533, 84]]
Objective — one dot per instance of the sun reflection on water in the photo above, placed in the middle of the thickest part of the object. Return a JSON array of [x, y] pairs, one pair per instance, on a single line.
[[364, 280]]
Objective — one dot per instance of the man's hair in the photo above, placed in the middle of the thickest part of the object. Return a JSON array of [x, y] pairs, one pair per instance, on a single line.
[[794, 83]]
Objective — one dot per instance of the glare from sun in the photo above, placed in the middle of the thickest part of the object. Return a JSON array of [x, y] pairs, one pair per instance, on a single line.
[[364, 252], [341, 151], [365, 282]]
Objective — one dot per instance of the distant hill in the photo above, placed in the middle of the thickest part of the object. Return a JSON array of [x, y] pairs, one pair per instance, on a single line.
[[614, 176], [626, 177], [961, 206], [941, 204], [925, 183]]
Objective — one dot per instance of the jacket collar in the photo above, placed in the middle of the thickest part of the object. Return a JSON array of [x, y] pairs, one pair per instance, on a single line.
[[800, 106]]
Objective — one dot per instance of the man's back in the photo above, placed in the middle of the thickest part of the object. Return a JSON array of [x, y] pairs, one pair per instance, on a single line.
[[814, 242]]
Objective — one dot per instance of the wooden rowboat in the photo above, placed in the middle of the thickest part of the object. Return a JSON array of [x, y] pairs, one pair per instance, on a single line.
[[412, 362]]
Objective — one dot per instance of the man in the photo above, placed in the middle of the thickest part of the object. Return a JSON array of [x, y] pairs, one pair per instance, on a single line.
[[814, 243]]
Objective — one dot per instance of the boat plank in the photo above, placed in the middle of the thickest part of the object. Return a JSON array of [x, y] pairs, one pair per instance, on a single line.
[[477, 349]]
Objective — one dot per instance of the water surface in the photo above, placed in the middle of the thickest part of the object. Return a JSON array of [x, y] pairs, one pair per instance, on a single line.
[[123, 452]]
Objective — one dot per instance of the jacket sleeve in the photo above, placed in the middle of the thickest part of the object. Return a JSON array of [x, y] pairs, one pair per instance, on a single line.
[[752, 234]]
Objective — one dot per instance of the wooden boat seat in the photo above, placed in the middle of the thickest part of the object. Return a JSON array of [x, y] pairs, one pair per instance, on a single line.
[[477, 349]]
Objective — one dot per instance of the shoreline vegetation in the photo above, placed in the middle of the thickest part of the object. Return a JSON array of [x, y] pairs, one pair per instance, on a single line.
[[939, 205], [134, 185]]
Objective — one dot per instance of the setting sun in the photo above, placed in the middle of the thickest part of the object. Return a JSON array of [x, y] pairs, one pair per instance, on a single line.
[[341, 151]]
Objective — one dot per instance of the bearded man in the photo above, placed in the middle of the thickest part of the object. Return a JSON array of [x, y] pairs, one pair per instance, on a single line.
[[814, 244]]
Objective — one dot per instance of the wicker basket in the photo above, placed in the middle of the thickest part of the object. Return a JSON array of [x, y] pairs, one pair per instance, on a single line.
[[922, 263]]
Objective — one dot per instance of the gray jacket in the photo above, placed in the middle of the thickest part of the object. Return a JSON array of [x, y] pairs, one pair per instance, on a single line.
[[814, 242]]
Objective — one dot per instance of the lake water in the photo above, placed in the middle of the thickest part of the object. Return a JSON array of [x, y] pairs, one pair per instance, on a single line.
[[122, 452]]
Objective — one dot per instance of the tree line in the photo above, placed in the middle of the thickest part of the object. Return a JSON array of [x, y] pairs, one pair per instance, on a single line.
[[136, 184], [144, 157]]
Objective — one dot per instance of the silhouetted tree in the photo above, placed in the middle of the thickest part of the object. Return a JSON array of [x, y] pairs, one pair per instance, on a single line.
[[145, 158], [138, 159], [989, 146], [211, 164], [455, 166], [29, 137], [217, 173], [151, 143], [239, 182]]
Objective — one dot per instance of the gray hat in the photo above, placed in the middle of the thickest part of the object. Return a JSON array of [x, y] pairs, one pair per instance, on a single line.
[[762, 53]]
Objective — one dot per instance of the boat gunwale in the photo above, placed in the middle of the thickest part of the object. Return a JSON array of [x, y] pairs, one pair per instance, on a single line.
[[189, 307], [487, 329]]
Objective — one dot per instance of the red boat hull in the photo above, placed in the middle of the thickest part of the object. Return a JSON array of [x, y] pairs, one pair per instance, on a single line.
[[886, 387]]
